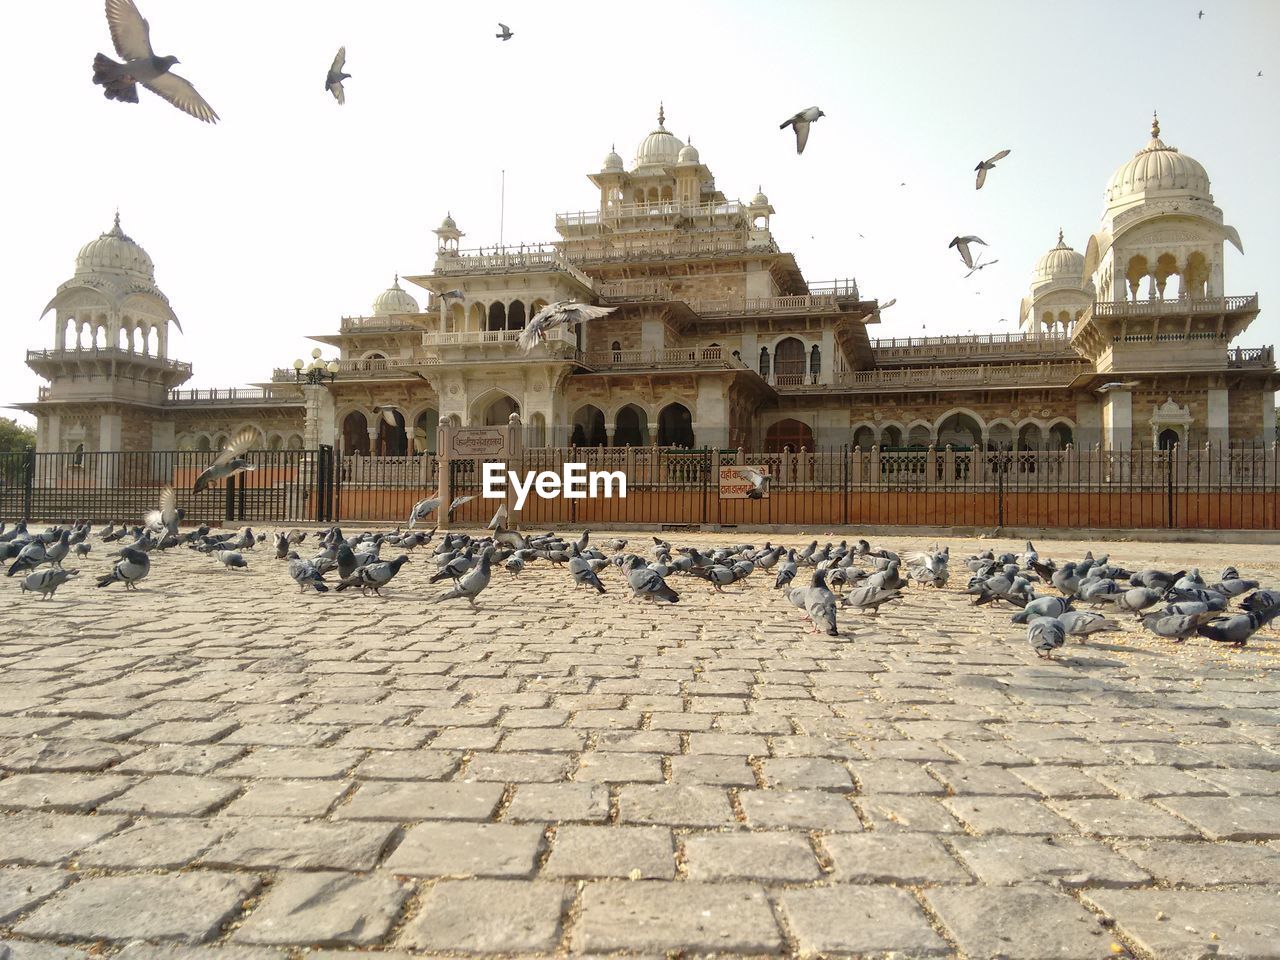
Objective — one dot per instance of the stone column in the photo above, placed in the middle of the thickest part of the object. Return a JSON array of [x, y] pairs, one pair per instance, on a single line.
[[1088, 431], [1219, 424], [1117, 420], [828, 346], [1268, 415]]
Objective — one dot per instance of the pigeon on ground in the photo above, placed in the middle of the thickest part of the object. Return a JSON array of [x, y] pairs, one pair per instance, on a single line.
[[985, 165], [648, 584], [786, 571], [820, 605], [1175, 627], [800, 124], [132, 38], [1081, 623], [962, 247], [582, 573], [230, 461], [1046, 634], [333, 80], [506, 33], [56, 552], [132, 566], [82, 549], [1238, 629], [46, 582], [1042, 607], [306, 574], [374, 576], [32, 555], [231, 558], [471, 585], [870, 598], [563, 313]]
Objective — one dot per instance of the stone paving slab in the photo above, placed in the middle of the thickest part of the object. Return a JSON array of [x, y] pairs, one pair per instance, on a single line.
[[569, 773]]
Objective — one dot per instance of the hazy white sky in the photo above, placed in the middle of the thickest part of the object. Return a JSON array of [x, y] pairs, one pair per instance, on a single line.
[[294, 211]]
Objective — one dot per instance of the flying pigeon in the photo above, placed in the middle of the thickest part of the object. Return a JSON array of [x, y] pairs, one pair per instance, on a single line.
[[800, 123], [166, 518], [985, 165], [506, 33], [333, 81], [962, 247], [132, 38], [1116, 385], [499, 518], [980, 265], [230, 461], [565, 313], [888, 303], [759, 483]]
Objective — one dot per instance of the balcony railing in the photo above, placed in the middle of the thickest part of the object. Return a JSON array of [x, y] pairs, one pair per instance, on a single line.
[[668, 358], [379, 324], [972, 345], [462, 338], [217, 396], [520, 259], [1014, 374], [1258, 357], [742, 306], [108, 353], [659, 209], [662, 245], [1203, 305]]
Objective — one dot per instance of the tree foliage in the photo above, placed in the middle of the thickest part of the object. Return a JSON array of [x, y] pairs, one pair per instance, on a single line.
[[15, 436]]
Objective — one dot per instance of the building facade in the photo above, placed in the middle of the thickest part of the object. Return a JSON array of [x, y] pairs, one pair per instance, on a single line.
[[716, 339]]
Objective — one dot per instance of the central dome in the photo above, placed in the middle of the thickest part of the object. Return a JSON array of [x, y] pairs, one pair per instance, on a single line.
[[1158, 170], [660, 147], [113, 252], [394, 300], [1059, 263]]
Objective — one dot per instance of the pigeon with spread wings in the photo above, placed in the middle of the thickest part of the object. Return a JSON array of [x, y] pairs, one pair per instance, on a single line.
[[165, 520], [132, 38], [759, 483], [230, 461], [985, 165], [506, 34], [800, 124], [962, 247], [563, 313], [333, 80]]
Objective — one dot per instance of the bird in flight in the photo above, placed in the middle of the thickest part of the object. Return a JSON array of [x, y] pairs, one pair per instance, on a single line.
[[800, 123], [980, 265], [230, 461], [132, 38], [888, 303], [333, 81], [506, 33], [985, 165], [1116, 385], [962, 247], [1200, 15], [565, 313]]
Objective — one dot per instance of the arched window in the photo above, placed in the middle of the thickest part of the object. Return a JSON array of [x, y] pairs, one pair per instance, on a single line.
[[355, 433], [392, 441], [616, 347], [515, 316], [497, 316], [498, 413], [864, 437], [1168, 438], [630, 429], [425, 429], [1136, 270], [919, 436], [764, 362], [588, 427], [959, 430], [1196, 276], [203, 444], [788, 434], [788, 362], [891, 436], [815, 363], [1060, 435], [675, 426], [1030, 437]]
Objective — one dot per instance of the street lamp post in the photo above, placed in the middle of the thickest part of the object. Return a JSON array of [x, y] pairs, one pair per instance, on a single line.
[[315, 372]]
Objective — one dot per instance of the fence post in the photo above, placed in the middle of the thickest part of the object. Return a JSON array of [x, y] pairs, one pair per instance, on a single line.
[[710, 476], [1170, 455], [444, 487], [999, 494], [515, 461], [844, 485], [28, 480], [324, 484], [229, 507]]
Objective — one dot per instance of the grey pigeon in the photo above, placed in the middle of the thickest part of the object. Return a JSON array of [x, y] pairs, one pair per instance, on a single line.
[[1081, 623], [506, 33], [985, 165], [820, 604], [962, 247], [648, 584], [422, 509], [1042, 607], [759, 483], [870, 598], [562, 313], [231, 559], [46, 582], [165, 519], [1176, 627], [582, 573], [1046, 634], [132, 38], [471, 585], [230, 461], [1238, 629], [31, 555], [333, 80], [306, 574], [800, 124], [56, 552], [374, 576], [132, 566]]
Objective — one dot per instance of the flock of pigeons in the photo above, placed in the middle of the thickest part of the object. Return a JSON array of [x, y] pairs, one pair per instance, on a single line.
[[1053, 601]]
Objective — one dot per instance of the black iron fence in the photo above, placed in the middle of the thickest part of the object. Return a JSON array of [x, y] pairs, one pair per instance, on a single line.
[[1199, 487]]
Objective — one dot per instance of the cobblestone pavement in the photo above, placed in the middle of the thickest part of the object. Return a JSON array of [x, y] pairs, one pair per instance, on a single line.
[[220, 767]]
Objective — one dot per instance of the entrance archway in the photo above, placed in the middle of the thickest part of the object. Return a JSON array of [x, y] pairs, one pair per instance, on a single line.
[[355, 433], [498, 413], [630, 427], [789, 434], [588, 427], [675, 426]]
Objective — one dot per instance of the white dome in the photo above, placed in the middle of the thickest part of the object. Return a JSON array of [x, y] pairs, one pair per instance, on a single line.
[[394, 300], [759, 200], [612, 162], [1060, 263], [447, 223], [113, 252], [660, 147], [688, 154], [1158, 169]]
